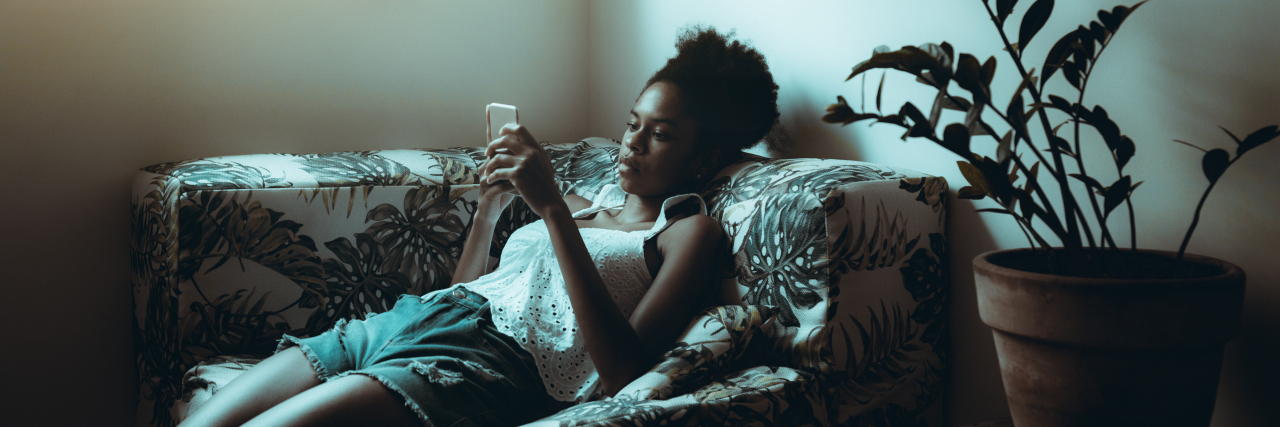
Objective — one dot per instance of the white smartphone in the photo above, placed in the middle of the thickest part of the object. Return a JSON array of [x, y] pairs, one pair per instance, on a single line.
[[496, 116]]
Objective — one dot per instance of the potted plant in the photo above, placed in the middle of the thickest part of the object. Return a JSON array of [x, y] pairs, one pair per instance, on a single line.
[[1088, 332]]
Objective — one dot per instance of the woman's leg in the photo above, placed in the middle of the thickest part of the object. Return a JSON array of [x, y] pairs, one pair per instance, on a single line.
[[276, 379], [353, 400]]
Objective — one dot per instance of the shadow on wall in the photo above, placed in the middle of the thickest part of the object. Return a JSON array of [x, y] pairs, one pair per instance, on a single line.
[[1218, 73], [810, 137], [973, 382]]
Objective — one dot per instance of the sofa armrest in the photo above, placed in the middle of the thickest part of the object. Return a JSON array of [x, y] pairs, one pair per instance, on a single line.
[[230, 253]]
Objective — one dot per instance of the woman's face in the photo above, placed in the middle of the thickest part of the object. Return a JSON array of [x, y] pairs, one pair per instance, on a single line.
[[658, 156]]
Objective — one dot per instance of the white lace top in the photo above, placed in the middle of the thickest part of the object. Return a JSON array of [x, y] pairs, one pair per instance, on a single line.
[[529, 302]]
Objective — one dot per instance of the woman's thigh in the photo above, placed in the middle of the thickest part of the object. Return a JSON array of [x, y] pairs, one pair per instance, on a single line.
[[279, 377], [351, 400]]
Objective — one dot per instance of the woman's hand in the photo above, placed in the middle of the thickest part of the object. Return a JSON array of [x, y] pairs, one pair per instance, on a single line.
[[495, 197], [516, 162]]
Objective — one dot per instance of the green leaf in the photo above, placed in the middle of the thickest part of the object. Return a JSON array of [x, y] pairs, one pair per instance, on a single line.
[[969, 77], [974, 176], [1117, 16], [1033, 21], [952, 102], [1114, 195], [1123, 151], [1003, 9], [1004, 150], [840, 112], [970, 193], [1017, 116], [1035, 172], [1026, 205], [1059, 145], [920, 124], [1258, 137], [1059, 126], [1088, 181], [1072, 72], [988, 72], [880, 90], [1098, 33], [911, 59], [1215, 163], [1086, 47], [955, 137], [973, 120], [1061, 104], [996, 175], [1100, 120], [935, 113], [1057, 55]]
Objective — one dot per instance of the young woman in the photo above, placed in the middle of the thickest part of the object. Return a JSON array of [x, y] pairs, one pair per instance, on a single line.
[[584, 300]]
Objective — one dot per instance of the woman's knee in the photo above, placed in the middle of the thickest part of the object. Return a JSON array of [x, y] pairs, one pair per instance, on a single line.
[[275, 380]]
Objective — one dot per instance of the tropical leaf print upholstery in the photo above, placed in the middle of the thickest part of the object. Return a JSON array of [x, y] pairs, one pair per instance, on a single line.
[[837, 271], [716, 338]]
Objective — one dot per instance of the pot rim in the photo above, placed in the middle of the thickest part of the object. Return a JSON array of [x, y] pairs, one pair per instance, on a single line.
[[982, 263]]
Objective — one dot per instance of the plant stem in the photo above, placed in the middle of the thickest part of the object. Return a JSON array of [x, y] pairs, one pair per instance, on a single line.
[[1055, 225], [1133, 230], [1072, 239], [1097, 212], [1195, 220], [1088, 231]]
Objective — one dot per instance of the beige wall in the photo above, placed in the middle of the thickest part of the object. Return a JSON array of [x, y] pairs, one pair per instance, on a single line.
[[1178, 69], [92, 90]]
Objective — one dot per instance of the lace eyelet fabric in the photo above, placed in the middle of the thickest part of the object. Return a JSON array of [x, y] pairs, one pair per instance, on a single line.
[[529, 301]]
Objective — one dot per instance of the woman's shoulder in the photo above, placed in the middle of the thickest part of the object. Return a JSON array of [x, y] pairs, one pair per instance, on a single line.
[[692, 231]]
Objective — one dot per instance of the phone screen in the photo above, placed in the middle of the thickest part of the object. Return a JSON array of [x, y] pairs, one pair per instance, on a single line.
[[497, 116]]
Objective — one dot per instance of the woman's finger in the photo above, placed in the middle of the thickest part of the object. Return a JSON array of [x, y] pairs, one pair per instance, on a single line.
[[494, 146], [500, 175], [504, 187], [521, 135], [497, 161]]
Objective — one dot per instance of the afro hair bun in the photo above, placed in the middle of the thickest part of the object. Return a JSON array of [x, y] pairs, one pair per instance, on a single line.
[[726, 86]]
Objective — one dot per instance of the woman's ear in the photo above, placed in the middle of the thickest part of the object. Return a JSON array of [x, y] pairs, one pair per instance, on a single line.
[[709, 163]]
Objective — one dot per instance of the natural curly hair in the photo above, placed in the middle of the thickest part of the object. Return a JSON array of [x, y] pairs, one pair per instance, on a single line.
[[726, 86]]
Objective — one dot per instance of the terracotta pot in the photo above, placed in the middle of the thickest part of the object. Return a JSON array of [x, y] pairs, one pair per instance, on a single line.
[[1101, 352]]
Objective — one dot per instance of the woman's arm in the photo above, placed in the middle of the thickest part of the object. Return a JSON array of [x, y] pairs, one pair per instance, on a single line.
[[494, 198], [475, 253], [622, 349]]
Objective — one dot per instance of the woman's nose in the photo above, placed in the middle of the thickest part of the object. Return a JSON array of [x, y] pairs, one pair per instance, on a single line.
[[634, 143]]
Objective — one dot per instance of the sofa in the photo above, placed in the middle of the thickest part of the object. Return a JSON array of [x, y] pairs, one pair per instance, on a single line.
[[837, 291]]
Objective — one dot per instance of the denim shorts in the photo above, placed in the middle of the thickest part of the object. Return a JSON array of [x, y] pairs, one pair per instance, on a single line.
[[443, 355]]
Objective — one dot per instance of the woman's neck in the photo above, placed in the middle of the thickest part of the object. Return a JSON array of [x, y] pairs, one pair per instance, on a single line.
[[638, 209]]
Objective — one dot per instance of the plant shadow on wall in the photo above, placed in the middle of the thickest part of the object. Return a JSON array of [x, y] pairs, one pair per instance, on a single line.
[[1246, 98], [1088, 332]]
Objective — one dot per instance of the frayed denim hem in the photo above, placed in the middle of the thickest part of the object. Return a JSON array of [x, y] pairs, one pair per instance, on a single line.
[[289, 341]]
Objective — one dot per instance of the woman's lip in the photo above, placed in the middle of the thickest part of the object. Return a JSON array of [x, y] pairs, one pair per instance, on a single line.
[[627, 162]]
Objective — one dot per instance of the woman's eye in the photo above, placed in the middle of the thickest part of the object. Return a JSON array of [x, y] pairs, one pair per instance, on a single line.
[[659, 136], [632, 127]]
